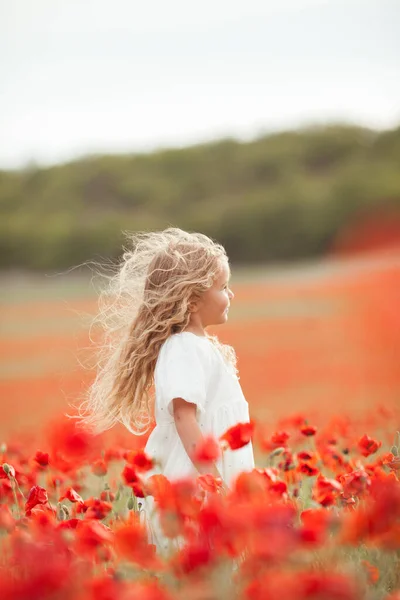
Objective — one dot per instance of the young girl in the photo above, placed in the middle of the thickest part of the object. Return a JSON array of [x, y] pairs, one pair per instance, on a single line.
[[170, 287]]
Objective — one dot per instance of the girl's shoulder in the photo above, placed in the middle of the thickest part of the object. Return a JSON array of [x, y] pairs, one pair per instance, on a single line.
[[185, 354], [189, 348]]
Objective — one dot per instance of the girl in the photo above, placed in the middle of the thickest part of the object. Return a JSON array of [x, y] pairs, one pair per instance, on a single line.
[[169, 288]]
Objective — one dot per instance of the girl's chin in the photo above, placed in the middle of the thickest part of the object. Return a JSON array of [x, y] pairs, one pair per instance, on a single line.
[[223, 318]]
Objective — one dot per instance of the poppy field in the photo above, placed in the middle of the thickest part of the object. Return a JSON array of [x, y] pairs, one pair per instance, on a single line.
[[318, 518]]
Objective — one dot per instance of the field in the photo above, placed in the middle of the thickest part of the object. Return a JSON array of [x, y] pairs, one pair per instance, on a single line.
[[320, 338], [319, 517]]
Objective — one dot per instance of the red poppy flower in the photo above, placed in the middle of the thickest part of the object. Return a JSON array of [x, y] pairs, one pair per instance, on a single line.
[[271, 479], [140, 460], [209, 483], [325, 490], [68, 524], [72, 442], [193, 556], [90, 534], [42, 458], [307, 469], [279, 487], [37, 495], [114, 454], [212, 514], [71, 495], [286, 463], [7, 521], [331, 457], [239, 435], [354, 483], [308, 430], [278, 439], [393, 462], [43, 515], [132, 479], [176, 502], [326, 585], [158, 486], [253, 485], [99, 468], [306, 456], [97, 509], [368, 445], [107, 495], [372, 571], [106, 587], [55, 481], [130, 475], [207, 450], [131, 543], [186, 497], [275, 523], [48, 567], [316, 524], [148, 590]]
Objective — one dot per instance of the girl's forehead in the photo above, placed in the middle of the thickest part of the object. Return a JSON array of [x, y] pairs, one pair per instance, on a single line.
[[224, 271]]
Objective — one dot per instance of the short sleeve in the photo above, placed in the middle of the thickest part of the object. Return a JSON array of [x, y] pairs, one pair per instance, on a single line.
[[183, 373]]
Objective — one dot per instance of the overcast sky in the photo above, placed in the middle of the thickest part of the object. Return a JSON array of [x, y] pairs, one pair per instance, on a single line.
[[82, 76]]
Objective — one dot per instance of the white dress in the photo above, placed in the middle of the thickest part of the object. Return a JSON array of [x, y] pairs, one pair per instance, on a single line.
[[191, 367]]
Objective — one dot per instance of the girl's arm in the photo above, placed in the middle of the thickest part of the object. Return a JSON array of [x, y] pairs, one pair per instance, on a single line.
[[189, 431]]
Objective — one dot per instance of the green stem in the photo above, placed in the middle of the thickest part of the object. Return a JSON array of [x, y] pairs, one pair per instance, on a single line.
[[15, 496], [19, 489], [51, 508], [101, 484]]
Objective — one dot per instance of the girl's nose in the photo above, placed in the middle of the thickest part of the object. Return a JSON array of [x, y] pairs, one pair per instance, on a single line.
[[232, 295]]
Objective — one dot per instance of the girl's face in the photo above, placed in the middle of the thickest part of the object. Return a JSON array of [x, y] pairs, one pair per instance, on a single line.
[[213, 306]]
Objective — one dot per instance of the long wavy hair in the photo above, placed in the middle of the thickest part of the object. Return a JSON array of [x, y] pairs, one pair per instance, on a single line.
[[145, 301]]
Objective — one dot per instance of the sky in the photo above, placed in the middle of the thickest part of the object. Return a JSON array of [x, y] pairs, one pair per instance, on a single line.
[[98, 76]]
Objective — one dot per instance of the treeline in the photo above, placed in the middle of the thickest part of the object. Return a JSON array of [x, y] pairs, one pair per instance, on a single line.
[[281, 197]]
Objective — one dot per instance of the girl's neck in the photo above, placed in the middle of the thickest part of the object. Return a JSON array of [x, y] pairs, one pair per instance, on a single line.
[[199, 332]]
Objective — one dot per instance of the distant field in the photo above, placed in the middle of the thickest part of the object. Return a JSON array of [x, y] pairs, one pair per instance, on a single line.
[[321, 338]]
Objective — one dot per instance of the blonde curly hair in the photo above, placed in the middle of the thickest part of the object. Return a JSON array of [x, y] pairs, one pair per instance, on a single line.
[[145, 302]]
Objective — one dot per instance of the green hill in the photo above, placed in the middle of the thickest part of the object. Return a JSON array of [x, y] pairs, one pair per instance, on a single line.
[[280, 197]]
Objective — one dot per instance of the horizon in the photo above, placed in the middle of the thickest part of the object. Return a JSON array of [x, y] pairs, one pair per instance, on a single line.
[[206, 142]]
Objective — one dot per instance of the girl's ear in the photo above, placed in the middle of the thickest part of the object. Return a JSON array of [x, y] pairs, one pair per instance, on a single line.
[[193, 306]]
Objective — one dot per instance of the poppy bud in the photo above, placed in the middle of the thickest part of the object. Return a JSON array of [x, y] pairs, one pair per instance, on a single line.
[[9, 470], [62, 512], [131, 503], [277, 452], [394, 450]]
